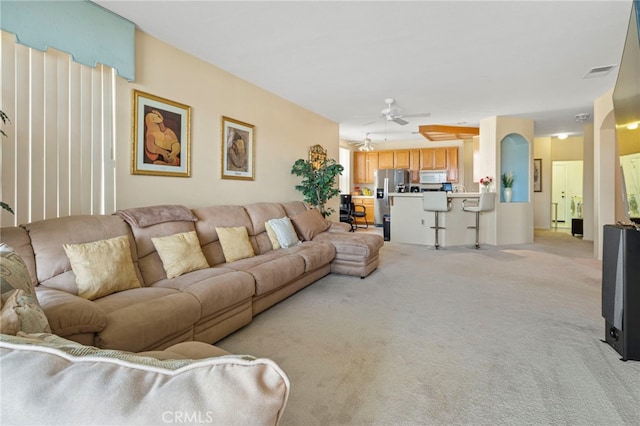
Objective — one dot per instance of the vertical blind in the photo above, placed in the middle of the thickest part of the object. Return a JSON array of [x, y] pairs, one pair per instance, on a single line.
[[58, 158]]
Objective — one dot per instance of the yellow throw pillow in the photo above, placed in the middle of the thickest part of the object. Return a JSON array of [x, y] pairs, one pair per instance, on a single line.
[[102, 267], [180, 253], [272, 236], [235, 243]]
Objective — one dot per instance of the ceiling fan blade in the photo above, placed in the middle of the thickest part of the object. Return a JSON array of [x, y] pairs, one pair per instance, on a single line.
[[370, 123], [400, 121]]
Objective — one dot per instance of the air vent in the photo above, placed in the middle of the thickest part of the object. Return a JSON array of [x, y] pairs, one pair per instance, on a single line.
[[599, 71]]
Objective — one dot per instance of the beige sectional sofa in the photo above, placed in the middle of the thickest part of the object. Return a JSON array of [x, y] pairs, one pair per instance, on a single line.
[[202, 305]]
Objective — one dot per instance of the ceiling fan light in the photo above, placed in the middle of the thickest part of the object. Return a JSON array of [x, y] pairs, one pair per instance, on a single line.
[[563, 136]]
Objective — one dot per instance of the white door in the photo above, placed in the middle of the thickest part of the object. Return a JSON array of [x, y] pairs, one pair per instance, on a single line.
[[559, 193], [566, 191]]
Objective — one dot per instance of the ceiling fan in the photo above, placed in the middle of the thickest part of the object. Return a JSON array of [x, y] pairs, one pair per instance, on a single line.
[[393, 113], [366, 144]]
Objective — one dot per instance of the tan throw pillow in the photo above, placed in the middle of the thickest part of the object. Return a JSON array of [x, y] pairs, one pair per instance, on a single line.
[[272, 236], [310, 223], [235, 243], [102, 267], [20, 308], [180, 253]]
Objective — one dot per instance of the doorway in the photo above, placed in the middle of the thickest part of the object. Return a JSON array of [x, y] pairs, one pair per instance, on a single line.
[[566, 192]]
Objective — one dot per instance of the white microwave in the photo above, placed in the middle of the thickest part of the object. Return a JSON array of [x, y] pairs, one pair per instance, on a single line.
[[433, 176]]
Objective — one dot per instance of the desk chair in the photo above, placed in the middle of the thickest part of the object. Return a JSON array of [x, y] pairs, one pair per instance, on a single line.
[[345, 211], [486, 203], [362, 213], [436, 202]]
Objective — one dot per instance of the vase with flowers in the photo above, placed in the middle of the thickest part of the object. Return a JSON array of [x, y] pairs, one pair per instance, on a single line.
[[485, 183], [507, 183]]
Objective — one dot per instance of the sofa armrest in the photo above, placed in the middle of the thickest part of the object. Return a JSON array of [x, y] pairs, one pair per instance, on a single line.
[[339, 227], [69, 314]]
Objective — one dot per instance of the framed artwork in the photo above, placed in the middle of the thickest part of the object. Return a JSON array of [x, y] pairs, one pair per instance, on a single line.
[[317, 155], [537, 175], [238, 150], [161, 136]]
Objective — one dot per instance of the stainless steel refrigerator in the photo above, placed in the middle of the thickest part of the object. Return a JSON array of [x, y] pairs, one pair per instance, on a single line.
[[386, 181]]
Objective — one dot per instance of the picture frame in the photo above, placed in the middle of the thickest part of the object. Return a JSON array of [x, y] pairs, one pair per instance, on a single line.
[[237, 149], [537, 175], [161, 136]]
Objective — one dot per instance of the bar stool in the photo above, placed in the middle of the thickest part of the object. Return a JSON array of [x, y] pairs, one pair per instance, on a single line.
[[436, 202], [486, 203]]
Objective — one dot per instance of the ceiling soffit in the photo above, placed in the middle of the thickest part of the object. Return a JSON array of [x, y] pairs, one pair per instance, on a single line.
[[437, 133]]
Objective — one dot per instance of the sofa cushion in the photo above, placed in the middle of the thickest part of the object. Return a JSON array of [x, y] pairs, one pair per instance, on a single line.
[[180, 253], [293, 208], [315, 254], [283, 228], [102, 267], [212, 217], [148, 323], [20, 308], [146, 318], [47, 237], [271, 270], [235, 243], [122, 388], [309, 223], [216, 289]]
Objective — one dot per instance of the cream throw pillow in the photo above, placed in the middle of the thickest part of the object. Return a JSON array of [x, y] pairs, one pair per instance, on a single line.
[[283, 229], [180, 253], [102, 267], [272, 236], [235, 243]]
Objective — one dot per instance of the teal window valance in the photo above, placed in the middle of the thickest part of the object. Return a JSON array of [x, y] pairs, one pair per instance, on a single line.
[[86, 31]]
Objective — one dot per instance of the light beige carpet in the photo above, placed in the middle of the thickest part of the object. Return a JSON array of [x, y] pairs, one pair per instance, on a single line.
[[496, 336]]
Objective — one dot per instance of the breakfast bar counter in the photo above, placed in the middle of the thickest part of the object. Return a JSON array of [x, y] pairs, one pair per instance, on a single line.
[[411, 224]]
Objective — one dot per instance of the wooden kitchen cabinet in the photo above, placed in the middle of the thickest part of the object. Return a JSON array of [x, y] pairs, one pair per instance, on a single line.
[[359, 167], [452, 164], [445, 158], [426, 159], [414, 165], [439, 158], [401, 159], [368, 204], [364, 163], [372, 164], [385, 159]]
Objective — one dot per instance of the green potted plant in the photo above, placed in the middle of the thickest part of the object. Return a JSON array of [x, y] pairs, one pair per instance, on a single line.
[[318, 182], [507, 184], [4, 119]]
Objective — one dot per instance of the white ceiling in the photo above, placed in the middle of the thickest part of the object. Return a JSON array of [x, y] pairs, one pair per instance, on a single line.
[[459, 61]]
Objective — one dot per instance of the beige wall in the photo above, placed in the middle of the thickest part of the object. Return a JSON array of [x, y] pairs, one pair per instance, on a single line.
[[283, 132], [570, 149]]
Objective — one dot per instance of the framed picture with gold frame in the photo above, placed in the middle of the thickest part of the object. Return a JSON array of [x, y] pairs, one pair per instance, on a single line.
[[161, 136], [238, 150], [537, 175]]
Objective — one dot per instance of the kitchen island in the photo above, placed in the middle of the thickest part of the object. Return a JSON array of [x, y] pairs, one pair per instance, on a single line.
[[412, 225]]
